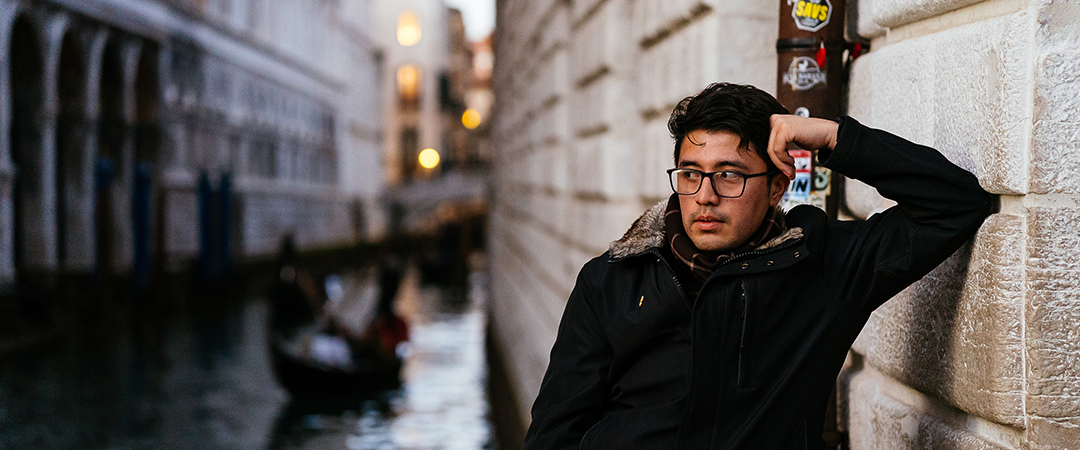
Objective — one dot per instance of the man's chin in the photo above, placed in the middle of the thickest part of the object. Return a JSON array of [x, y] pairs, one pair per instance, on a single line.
[[710, 243]]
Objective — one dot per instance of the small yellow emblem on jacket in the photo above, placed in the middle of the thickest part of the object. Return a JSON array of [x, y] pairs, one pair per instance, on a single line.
[[641, 301]]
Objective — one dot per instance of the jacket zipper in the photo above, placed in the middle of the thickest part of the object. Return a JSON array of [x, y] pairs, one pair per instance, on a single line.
[[743, 369], [675, 279]]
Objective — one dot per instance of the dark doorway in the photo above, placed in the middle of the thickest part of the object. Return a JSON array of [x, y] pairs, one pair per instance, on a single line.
[[147, 198], [108, 167], [70, 150], [26, 131]]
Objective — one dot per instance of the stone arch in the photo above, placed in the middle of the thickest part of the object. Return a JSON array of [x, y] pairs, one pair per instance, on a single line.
[[26, 65], [72, 164]]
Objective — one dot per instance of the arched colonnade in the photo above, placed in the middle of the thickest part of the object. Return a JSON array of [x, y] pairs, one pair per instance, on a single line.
[[79, 148]]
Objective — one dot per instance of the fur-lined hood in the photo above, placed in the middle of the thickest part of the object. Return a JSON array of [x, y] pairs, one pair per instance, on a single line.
[[648, 232]]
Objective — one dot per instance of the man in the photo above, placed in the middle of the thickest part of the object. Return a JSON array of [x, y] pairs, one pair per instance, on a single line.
[[717, 321]]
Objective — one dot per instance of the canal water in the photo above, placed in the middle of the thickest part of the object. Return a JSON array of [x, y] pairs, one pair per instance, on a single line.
[[202, 379]]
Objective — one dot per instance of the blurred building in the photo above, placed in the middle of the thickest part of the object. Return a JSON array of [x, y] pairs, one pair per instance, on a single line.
[[436, 102], [981, 353], [148, 133]]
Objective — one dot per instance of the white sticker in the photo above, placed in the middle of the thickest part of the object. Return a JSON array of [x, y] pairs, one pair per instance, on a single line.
[[799, 189], [804, 73]]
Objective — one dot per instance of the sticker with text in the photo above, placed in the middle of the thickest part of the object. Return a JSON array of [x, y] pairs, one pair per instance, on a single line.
[[803, 73], [811, 15]]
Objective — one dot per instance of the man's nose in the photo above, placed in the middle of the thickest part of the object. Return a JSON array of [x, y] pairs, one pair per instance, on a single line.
[[707, 195]]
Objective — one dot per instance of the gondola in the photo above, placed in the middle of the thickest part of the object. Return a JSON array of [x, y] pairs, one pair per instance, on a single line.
[[345, 370], [333, 341]]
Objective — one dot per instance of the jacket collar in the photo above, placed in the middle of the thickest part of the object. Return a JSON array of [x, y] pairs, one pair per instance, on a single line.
[[647, 232]]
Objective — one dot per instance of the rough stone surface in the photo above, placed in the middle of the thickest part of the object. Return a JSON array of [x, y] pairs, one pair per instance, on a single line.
[[893, 13], [1053, 337], [879, 421], [1055, 165], [971, 106], [861, 200], [957, 333]]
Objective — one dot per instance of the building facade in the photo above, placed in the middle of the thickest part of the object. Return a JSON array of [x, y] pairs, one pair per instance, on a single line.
[[158, 131], [981, 353]]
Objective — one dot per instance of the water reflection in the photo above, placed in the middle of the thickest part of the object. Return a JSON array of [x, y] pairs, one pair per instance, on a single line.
[[203, 380]]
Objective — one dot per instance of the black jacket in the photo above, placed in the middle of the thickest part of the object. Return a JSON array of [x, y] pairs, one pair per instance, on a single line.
[[748, 363]]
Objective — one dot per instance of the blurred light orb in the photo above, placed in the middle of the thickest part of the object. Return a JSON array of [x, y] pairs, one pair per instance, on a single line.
[[429, 158], [408, 29], [471, 119]]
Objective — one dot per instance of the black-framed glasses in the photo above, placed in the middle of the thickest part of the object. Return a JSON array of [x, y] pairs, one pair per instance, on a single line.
[[725, 183]]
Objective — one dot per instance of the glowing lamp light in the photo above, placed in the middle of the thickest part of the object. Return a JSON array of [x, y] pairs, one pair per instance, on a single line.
[[471, 119], [429, 158], [408, 29]]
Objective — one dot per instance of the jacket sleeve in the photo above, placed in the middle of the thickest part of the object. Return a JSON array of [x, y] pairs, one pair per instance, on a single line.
[[574, 387], [939, 207]]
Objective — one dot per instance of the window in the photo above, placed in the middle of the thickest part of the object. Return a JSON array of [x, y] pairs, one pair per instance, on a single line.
[[408, 82], [408, 29]]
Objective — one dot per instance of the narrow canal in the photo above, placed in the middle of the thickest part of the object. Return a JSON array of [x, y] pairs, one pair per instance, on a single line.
[[202, 379]]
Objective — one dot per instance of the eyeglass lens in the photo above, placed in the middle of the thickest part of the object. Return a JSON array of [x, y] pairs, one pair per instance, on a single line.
[[689, 181]]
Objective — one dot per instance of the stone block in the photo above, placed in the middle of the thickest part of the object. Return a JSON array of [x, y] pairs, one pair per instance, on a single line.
[[893, 13], [602, 165], [862, 200], [972, 105], [594, 107], [656, 20], [1053, 338], [860, 19], [555, 31], [715, 47], [957, 333], [878, 420], [743, 49], [603, 43], [655, 150], [581, 9], [1055, 165], [593, 224]]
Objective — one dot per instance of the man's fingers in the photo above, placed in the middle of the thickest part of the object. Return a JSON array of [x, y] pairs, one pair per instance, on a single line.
[[779, 138]]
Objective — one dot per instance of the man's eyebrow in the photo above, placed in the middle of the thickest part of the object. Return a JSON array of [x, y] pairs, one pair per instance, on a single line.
[[736, 164]]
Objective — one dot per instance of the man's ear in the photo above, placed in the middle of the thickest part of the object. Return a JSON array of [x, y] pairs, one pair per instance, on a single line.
[[778, 185]]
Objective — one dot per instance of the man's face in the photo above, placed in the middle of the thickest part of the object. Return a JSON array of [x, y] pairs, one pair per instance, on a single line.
[[716, 223]]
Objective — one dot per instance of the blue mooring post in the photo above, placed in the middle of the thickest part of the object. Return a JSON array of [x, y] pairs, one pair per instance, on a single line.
[[140, 215], [103, 178], [205, 194], [225, 193]]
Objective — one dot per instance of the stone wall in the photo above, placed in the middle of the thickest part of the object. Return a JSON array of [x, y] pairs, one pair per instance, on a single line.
[[583, 93], [982, 353]]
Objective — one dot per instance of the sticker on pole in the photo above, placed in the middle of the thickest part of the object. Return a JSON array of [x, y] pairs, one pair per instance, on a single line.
[[804, 73], [799, 189], [811, 15]]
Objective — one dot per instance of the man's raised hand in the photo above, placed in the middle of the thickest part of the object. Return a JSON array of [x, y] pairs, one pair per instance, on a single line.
[[806, 132]]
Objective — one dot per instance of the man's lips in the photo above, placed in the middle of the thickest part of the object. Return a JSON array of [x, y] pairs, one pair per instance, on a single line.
[[706, 223]]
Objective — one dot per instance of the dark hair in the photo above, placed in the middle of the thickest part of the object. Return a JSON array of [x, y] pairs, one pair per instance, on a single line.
[[737, 108]]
